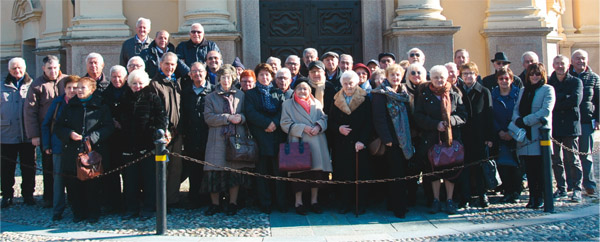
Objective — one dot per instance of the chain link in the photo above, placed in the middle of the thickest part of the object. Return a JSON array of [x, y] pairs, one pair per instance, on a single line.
[[596, 150]]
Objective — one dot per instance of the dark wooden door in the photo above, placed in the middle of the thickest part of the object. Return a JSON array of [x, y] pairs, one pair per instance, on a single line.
[[289, 26]]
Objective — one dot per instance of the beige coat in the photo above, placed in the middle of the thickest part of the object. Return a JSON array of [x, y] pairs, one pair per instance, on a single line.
[[293, 113], [216, 120]]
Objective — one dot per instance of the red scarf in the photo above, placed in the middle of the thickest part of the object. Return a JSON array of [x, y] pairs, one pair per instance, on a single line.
[[305, 103], [446, 106]]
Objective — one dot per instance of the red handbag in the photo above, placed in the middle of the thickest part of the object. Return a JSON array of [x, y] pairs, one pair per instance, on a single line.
[[294, 156], [89, 162], [442, 156]]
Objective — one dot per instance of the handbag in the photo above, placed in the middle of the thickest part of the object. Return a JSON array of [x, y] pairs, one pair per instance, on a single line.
[[294, 156], [376, 147], [516, 133], [490, 173], [241, 148], [441, 155], [89, 162]]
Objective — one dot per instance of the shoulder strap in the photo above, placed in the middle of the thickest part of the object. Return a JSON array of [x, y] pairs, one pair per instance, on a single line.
[[54, 117]]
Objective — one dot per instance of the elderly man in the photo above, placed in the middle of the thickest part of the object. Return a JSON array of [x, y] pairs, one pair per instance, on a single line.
[[322, 90], [168, 88], [193, 95], [283, 79], [39, 98], [416, 55], [214, 62], [292, 63], [94, 64], [461, 57], [274, 62], [373, 65], [332, 71], [386, 59], [567, 128], [197, 48], [134, 46], [135, 63], [157, 48], [308, 55], [528, 58], [13, 141], [346, 62], [590, 115], [500, 61]]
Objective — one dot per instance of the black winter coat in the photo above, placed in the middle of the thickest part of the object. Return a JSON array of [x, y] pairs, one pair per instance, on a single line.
[[151, 58], [591, 95], [259, 119], [190, 52], [565, 115], [428, 114], [195, 133], [140, 115], [479, 124], [335, 79], [98, 127]]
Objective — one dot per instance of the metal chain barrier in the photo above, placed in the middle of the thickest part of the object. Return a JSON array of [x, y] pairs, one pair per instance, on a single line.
[[120, 168], [290, 179], [596, 150]]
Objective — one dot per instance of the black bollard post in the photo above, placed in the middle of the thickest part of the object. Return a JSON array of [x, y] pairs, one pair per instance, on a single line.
[[161, 182], [545, 144]]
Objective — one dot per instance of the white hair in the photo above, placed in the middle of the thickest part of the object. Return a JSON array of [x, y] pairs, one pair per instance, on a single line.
[[138, 75], [439, 70], [283, 71], [415, 49], [16, 60], [118, 68], [292, 57], [416, 67], [581, 52], [561, 57], [197, 24], [138, 59], [346, 55], [310, 50], [349, 75], [202, 65], [94, 55], [168, 54], [532, 54], [273, 58], [142, 19], [451, 65]]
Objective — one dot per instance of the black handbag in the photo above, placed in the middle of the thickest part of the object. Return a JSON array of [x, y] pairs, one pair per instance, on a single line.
[[490, 172], [241, 147], [294, 156]]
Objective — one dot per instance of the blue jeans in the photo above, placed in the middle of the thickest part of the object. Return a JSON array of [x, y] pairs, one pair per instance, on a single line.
[[59, 202]]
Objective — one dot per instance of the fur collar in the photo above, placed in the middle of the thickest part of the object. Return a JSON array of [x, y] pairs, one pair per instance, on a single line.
[[357, 98]]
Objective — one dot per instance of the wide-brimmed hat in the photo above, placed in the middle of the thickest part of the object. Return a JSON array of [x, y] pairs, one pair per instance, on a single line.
[[500, 56]]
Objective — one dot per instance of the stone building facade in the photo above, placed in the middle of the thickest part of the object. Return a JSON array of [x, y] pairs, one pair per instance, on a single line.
[[74, 28]]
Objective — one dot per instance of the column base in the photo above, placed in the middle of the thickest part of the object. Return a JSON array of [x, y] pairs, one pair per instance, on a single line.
[[78, 49], [436, 42]]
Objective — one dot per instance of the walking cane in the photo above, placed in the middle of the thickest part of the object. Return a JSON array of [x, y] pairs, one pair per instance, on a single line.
[[356, 187]]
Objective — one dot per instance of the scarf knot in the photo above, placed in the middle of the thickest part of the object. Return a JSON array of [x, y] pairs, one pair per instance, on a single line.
[[268, 102]]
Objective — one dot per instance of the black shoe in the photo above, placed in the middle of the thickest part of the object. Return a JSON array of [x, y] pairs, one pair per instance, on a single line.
[[78, 219], [231, 209], [147, 215], [265, 209], [301, 210], [361, 210], [436, 207], [56, 217], [6, 201], [47, 204], [283, 209], [129, 216], [316, 208], [29, 200], [400, 213], [212, 209], [344, 209], [538, 203], [484, 202], [92, 220]]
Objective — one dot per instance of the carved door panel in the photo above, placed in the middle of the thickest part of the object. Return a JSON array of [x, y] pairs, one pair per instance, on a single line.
[[289, 26]]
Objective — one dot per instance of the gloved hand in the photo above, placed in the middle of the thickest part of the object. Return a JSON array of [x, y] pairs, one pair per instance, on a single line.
[[519, 123]]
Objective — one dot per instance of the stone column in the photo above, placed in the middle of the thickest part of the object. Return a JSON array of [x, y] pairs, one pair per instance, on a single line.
[[97, 27], [419, 23], [55, 30], [217, 21], [516, 26]]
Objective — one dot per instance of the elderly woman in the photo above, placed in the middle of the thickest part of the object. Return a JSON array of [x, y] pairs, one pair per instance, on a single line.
[[141, 114], [51, 144], [439, 112], [477, 144], [504, 99], [416, 74], [364, 74], [390, 118], [224, 114], [85, 117], [351, 118], [263, 113], [247, 80], [303, 117], [377, 77], [113, 96], [532, 112], [283, 79]]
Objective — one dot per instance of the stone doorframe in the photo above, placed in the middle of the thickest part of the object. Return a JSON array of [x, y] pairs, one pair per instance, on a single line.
[[372, 30]]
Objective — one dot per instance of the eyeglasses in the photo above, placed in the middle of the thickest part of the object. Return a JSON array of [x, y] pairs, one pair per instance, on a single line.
[[195, 32], [282, 78], [292, 64], [197, 71], [535, 74], [414, 73], [134, 65], [415, 54]]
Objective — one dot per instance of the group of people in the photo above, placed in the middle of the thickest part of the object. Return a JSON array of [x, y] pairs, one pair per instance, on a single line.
[[335, 105]]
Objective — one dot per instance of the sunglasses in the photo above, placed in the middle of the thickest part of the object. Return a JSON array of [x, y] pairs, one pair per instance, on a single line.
[[414, 73], [535, 74], [195, 32], [415, 54]]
